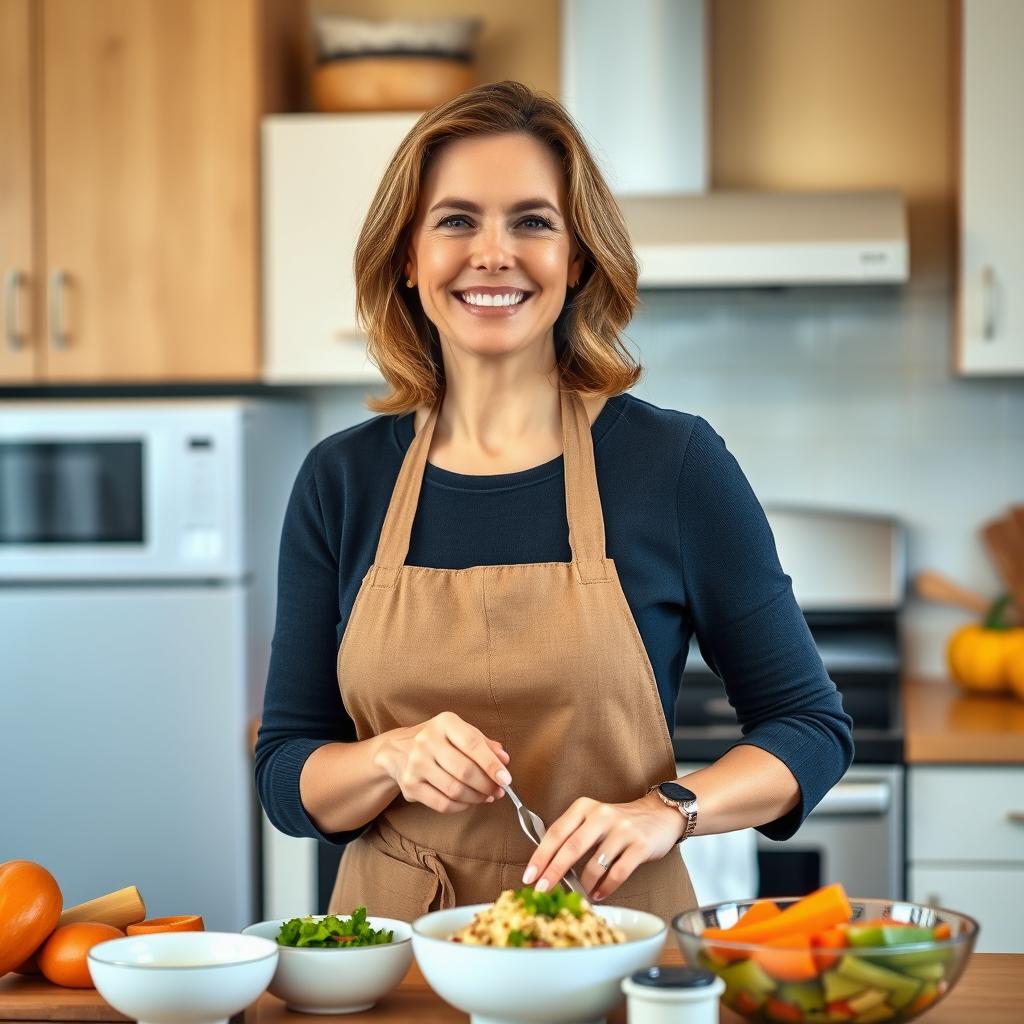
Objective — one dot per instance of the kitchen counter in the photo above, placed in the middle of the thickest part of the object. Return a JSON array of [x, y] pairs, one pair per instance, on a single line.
[[990, 992], [944, 725]]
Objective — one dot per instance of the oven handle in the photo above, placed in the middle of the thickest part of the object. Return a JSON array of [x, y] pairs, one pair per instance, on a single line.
[[855, 798]]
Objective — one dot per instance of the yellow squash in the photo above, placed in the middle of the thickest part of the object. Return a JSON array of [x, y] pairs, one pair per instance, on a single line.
[[980, 656]]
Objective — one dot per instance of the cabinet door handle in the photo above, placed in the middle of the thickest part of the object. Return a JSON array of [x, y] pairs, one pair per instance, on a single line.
[[58, 335], [1015, 817], [988, 294], [13, 280]]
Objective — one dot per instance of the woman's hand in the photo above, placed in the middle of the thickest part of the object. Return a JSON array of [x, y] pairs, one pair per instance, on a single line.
[[628, 835], [445, 763]]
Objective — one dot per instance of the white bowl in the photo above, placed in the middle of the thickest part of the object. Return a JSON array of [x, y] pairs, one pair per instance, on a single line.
[[182, 977], [512, 985], [313, 980]]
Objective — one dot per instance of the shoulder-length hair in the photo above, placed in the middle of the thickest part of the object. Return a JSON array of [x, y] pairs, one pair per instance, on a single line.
[[402, 341]]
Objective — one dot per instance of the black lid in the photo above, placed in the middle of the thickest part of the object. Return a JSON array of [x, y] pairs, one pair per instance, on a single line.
[[673, 977]]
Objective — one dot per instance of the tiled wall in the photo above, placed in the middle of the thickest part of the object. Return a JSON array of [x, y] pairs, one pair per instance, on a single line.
[[841, 398]]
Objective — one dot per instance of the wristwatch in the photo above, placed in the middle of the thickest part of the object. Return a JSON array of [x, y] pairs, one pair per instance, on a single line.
[[683, 799]]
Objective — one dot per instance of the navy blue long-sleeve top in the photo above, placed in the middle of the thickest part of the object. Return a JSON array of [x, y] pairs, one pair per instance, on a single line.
[[693, 549]]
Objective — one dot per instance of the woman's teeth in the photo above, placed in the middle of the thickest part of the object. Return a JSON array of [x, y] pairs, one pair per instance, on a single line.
[[508, 299]]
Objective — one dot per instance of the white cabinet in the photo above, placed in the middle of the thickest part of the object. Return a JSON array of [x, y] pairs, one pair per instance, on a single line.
[[990, 300], [966, 846], [319, 174]]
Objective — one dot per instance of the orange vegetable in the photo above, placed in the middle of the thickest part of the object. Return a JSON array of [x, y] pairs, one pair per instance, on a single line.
[[30, 906], [823, 909], [840, 1009], [943, 931], [776, 1009], [63, 959], [745, 1003], [832, 938], [788, 958], [179, 923], [923, 1001], [762, 910]]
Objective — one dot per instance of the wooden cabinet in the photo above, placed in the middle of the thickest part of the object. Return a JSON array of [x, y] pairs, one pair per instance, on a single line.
[[319, 174], [133, 185], [966, 846], [990, 294]]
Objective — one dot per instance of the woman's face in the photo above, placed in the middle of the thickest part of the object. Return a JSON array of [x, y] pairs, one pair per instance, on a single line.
[[491, 224]]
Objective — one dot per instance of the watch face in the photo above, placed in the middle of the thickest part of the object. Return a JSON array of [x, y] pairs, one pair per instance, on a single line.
[[674, 791]]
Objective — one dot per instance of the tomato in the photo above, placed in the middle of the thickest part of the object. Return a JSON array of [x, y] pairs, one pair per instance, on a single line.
[[63, 956]]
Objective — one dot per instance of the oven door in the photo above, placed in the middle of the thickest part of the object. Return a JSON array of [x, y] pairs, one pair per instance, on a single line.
[[854, 836]]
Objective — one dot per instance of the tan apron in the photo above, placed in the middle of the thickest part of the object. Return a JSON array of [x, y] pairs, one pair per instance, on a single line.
[[544, 657]]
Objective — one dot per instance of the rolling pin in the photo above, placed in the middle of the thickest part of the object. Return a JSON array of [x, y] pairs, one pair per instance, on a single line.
[[934, 586], [120, 909]]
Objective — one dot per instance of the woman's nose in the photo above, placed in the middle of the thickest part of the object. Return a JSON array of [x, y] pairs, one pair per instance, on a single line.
[[492, 249]]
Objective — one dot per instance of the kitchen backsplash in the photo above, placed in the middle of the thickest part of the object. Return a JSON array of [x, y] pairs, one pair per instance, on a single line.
[[839, 398]]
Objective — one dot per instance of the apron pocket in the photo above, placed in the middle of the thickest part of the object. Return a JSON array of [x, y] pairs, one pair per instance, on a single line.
[[386, 886]]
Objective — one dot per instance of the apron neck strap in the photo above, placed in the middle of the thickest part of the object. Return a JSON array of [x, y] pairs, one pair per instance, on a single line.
[[583, 501]]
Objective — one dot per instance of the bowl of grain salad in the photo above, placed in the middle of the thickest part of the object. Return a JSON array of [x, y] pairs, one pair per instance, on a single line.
[[533, 956]]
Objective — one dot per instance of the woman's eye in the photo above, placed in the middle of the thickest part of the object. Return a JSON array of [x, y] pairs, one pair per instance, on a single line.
[[540, 222]]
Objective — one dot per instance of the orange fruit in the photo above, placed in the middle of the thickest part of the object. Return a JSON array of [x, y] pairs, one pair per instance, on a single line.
[[63, 957], [180, 923]]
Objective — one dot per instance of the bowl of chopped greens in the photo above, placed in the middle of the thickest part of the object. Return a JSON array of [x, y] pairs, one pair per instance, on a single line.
[[533, 956], [335, 964]]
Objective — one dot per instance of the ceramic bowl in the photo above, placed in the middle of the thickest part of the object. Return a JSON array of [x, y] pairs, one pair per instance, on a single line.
[[891, 983], [182, 977], [512, 985], [313, 980]]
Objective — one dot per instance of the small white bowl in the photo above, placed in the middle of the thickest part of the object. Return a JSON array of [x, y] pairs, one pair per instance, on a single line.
[[512, 985], [314, 980], [182, 977]]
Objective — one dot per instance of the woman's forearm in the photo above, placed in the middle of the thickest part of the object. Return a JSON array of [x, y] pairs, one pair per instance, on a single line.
[[745, 787], [345, 785]]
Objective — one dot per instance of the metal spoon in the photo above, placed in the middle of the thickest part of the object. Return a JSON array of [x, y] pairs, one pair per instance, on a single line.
[[535, 829]]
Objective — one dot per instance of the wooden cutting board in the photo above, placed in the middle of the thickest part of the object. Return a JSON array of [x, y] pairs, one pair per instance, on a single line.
[[31, 998]]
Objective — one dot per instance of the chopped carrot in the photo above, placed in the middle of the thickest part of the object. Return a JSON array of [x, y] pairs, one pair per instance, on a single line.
[[745, 1003], [943, 931], [822, 909], [831, 938], [776, 1009], [762, 910], [923, 1001], [788, 958], [840, 1009]]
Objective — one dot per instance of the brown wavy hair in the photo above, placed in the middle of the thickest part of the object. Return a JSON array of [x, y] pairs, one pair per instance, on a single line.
[[402, 341]]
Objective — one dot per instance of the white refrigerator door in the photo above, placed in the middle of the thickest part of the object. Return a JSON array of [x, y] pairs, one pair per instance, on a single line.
[[123, 744]]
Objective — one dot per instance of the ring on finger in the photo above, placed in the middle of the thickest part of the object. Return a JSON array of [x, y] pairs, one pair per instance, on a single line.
[[602, 862]]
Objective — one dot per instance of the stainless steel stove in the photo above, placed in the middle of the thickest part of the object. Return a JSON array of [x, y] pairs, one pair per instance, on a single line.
[[849, 577]]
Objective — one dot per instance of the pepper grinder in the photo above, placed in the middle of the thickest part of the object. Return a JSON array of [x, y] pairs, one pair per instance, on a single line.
[[672, 995]]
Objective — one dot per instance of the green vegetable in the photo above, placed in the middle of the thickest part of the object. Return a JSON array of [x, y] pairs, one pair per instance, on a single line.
[[332, 932], [838, 987], [901, 989], [805, 994], [926, 972], [747, 976], [548, 904], [875, 1015], [516, 937]]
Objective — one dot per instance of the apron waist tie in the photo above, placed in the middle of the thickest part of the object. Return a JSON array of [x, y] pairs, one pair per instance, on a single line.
[[411, 852]]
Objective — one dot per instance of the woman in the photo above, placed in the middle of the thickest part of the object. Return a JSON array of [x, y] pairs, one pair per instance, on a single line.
[[465, 550]]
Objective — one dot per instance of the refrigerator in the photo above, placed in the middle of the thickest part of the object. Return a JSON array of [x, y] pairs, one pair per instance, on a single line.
[[138, 561]]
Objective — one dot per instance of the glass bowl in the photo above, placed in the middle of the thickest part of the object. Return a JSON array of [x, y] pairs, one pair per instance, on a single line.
[[876, 980]]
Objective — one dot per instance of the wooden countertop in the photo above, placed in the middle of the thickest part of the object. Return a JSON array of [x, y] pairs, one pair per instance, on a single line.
[[943, 725], [990, 992]]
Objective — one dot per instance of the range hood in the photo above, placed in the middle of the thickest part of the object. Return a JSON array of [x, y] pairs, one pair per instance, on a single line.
[[634, 78]]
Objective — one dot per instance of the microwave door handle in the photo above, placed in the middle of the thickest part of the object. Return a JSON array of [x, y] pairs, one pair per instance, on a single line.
[[850, 798]]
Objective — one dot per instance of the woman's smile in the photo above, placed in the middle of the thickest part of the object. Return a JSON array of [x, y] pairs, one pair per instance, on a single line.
[[490, 301]]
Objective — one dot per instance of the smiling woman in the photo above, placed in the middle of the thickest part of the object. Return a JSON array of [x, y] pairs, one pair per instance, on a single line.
[[500, 575]]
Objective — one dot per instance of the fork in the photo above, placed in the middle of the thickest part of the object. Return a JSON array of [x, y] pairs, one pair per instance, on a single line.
[[535, 829]]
